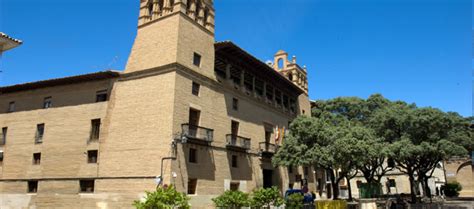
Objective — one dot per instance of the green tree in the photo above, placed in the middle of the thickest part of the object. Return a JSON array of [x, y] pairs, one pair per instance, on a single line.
[[266, 197], [163, 198], [232, 199]]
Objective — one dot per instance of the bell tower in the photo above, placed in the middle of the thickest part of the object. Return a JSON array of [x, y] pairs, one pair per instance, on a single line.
[[291, 70], [174, 31]]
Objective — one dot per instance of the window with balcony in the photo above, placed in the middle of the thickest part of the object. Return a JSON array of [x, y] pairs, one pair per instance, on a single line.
[[234, 161], [101, 96], [32, 186], [39, 133], [86, 186], [3, 137], [192, 158], [11, 107], [234, 128], [92, 156], [36, 158], [95, 130], [192, 185], [195, 89], [47, 102]]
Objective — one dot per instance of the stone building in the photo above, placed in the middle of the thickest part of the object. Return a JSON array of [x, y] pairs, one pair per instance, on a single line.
[[189, 111]]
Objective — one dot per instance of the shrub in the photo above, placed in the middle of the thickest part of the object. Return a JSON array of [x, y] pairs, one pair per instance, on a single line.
[[163, 198], [294, 201], [264, 198], [232, 199], [452, 189]]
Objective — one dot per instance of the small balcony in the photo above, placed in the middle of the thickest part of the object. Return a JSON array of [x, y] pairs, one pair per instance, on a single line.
[[267, 149], [196, 134], [237, 143]]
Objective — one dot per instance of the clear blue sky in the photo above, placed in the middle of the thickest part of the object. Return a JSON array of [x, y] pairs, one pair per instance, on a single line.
[[413, 50]]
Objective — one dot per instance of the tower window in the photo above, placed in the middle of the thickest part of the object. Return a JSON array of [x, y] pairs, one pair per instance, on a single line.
[[234, 161], [92, 156], [235, 104], [197, 59], [39, 133], [47, 102], [36, 158], [86, 186], [196, 88], [192, 155], [3, 140], [290, 76], [11, 107], [150, 8], [280, 64], [101, 96], [95, 130], [1, 156], [32, 186]]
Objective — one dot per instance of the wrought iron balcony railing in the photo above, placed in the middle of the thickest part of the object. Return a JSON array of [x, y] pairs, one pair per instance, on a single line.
[[238, 142], [267, 147], [192, 132]]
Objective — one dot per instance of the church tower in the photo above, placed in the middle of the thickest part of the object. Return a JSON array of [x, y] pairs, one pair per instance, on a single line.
[[174, 32], [291, 70]]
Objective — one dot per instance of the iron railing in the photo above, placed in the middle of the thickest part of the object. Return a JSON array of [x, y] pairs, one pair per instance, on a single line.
[[267, 147], [197, 132], [238, 142]]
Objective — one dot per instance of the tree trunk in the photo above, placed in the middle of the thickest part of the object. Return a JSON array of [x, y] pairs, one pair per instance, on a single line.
[[412, 187], [350, 189], [335, 188]]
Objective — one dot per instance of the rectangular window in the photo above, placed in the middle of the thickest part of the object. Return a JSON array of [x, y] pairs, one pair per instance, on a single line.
[[87, 186], [47, 102], [234, 186], [3, 139], [248, 81], [285, 102], [192, 155], [196, 88], [39, 133], [197, 59], [259, 87], [92, 156], [235, 104], [235, 75], [95, 130], [192, 185], [1, 157], [194, 116], [269, 91], [278, 97], [11, 107], [234, 161], [306, 171], [36, 158], [32, 186], [101, 96]]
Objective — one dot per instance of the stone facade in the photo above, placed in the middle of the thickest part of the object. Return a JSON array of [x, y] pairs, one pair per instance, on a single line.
[[202, 115]]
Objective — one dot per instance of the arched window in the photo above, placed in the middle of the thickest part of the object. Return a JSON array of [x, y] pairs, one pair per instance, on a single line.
[[206, 15], [188, 5], [290, 76], [150, 7], [172, 4], [198, 8], [160, 4], [280, 63]]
